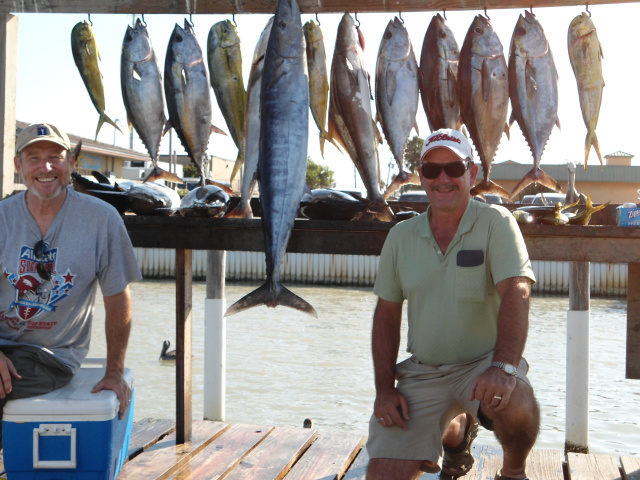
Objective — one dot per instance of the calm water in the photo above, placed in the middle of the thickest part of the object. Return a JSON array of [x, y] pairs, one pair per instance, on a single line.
[[284, 366]]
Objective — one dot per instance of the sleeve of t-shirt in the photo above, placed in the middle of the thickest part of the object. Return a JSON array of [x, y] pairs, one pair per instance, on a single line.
[[508, 254], [387, 285]]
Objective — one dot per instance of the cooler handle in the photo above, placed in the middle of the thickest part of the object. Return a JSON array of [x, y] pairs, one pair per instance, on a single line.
[[54, 430]]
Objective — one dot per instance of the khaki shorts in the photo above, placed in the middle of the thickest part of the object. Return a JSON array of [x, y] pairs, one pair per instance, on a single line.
[[436, 395]]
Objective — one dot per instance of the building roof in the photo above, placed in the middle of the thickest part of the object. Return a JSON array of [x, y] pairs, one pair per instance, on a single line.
[[560, 172], [618, 154]]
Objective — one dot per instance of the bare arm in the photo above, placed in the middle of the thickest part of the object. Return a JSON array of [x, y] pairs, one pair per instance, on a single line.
[[385, 342], [513, 325], [117, 328], [7, 371]]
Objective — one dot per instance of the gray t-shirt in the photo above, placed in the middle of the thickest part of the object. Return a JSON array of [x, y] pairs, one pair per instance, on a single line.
[[86, 244]]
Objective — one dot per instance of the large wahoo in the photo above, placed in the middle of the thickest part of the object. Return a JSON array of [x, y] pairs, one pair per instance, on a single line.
[[284, 132], [484, 96], [533, 89]]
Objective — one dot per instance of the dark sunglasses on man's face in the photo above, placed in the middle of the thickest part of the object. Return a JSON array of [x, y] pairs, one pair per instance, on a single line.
[[38, 251], [453, 169]]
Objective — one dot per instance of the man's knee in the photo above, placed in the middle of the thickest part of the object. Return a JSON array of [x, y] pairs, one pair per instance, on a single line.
[[386, 468], [522, 410]]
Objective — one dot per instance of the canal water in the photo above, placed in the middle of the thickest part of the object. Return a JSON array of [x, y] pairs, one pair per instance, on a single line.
[[284, 366]]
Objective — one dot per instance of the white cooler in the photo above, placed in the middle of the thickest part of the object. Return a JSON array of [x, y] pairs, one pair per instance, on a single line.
[[67, 434]]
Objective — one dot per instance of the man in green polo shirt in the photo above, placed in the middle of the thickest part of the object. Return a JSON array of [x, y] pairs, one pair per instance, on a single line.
[[464, 270]]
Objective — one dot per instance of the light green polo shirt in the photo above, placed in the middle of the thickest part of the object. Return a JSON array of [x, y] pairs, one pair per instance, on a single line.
[[452, 298]]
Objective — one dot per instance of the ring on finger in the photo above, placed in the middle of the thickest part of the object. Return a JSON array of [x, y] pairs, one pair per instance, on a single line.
[[381, 419], [498, 397]]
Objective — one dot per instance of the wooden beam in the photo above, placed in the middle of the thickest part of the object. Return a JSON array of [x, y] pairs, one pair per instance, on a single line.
[[269, 6], [184, 280], [8, 75], [633, 321]]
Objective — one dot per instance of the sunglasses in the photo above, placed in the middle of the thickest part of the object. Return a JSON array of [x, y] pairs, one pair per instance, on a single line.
[[38, 251], [453, 169]]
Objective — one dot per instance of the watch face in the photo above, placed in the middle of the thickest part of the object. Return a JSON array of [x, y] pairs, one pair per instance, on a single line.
[[510, 369]]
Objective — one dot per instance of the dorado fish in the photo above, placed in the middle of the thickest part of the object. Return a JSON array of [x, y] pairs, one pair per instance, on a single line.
[[585, 54], [318, 78], [397, 96], [484, 96], [283, 157], [350, 120], [142, 94], [439, 76], [188, 94], [533, 89], [86, 55], [225, 68], [252, 127]]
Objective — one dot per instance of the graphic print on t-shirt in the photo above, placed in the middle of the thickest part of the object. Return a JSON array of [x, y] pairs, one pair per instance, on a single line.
[[34, 294]]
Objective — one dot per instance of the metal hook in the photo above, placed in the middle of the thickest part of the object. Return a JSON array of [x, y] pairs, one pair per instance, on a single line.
[[485, 14], [191, 20], [400, 17], [444, 14], [358, 25], [317, 19], [587, 7], [233, 19], [531, 9], [143, 20], [90, 22]]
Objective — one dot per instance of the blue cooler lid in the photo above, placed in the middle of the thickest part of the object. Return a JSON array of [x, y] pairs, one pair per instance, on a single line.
[[74, 402]]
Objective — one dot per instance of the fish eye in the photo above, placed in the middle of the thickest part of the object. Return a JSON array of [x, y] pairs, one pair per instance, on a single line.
[[442, 33], [479, 30], [179, 38], [282, 25], [388, 35], [521, 31], [128, 37]]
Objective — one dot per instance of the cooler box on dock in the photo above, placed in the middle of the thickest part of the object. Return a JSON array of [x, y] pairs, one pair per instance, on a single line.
[[67, 434]]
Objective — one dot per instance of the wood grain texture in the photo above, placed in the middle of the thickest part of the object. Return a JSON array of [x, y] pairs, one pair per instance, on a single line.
[[633, 321], [269, 6], [166, 456], [630, 468], [328, 458], [146, 432], [592, 467]]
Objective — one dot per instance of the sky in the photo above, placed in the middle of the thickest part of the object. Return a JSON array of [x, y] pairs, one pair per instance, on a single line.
[[50, 89]]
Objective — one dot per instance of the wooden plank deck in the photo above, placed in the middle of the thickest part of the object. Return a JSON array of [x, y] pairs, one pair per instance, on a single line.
[[248, 452]]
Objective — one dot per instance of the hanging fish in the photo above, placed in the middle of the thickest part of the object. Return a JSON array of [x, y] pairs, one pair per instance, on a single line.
[[283, 157], [533, 89], [86, 55], [188, 95], [142, 94], [397, 96], [439, 76], [585, 54], [252, 128], [484, 96], [225, 68], [351, 123]]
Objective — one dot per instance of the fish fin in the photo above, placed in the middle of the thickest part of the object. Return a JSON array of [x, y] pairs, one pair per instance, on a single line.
[[158, 173], [487, 186], [452, 82], [558, 123], [402, 178], [224, 187], [323, 137], [167, 126], [486, 80], [530, 79], [135, 73], [271, 294], [512, 118], [105, 118], [389, 84], [334, 136], [236, 166], [592, 140], [360, 38], [536, 175], [241, 210], [215, 129], [507, 132], [415, 126]]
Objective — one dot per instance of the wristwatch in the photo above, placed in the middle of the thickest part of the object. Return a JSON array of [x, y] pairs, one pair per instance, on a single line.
[[505, 367]]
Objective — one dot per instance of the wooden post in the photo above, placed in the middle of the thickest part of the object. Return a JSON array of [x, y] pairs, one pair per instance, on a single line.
[[8, 69], [577, 411], [184, 275], [633, 321], [215, 338]]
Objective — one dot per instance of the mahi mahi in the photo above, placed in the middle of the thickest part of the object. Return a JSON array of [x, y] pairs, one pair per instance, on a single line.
[[188, 95], [225, 68], [86, 55], [533, 89], [252, 128], [397, 95], [484, 96], [439, 76], [142, 94], [585, 54], [350, 119], [284, 135]]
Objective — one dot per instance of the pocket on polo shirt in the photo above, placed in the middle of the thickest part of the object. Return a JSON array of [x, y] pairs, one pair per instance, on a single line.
[[471, 284]]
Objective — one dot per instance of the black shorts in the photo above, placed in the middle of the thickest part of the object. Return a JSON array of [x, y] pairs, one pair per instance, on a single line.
[[41, 372]]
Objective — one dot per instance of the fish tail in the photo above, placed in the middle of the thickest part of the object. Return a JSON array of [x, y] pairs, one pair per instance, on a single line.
[[237, 165], [402, 178], [535, 175], [158, 173], [487, 186], [105, 118], [323, 137], [271, 294], [242, 210], [592, 140]]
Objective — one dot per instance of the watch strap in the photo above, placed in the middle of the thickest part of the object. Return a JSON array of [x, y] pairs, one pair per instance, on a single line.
[[506, 367]]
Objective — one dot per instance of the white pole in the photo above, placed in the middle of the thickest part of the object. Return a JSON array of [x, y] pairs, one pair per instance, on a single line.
[[215, 334], [578, 326]]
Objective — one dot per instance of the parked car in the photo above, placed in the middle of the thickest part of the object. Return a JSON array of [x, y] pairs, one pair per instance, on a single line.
[[549, 198], [527, 199], [493, 198]]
